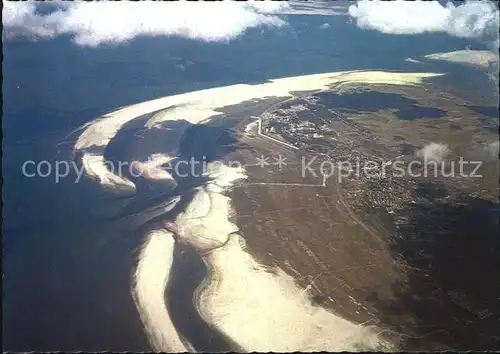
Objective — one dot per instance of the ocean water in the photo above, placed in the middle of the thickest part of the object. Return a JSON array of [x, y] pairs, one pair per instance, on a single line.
[[67, 260]]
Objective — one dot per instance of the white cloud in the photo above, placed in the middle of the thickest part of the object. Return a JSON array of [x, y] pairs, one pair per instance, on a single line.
[[493, 149], [433, 152], [472, 19], [95, 23]]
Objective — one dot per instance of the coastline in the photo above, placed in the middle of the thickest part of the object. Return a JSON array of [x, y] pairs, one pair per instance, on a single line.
[[200, 106], [204, 225], [258, 308]]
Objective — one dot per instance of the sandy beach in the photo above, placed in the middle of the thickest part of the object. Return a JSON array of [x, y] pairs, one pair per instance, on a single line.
[[199, 106], [258, 308], [481, 58], [150, 281], [96, 168]]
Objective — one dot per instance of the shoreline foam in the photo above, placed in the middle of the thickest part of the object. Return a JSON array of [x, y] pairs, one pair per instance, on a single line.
[[96, 168], [264, 311]]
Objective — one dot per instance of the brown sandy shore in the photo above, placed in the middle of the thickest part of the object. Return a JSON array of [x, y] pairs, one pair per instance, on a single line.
[[283, 286], [350, 262]]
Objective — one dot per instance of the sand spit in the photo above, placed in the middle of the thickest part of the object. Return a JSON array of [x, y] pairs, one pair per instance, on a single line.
[[151, 169], [258, 310], [481, 58], [204, 223], [262, 311], [156, 257], [150, 282], [411, 60], [96, 167], [199, 106]]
